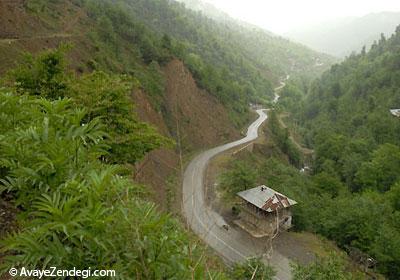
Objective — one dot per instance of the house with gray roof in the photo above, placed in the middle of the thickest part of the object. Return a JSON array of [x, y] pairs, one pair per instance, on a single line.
[[264, 211], [395, 112]]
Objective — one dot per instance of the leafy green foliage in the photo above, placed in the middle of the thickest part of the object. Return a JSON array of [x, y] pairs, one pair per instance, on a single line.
[[115, 23], [78, 211], [387, 247], [292, 95], [326, 183], [43, 76], [328, 268], [383, 170], [102, 95], [106, 96], [394, 196], [252, 269], [31, 148], [38, 6], [239, 177], [281, 137]]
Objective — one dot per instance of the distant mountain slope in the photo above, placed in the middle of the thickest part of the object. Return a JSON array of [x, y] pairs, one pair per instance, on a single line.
[[279, 54], [345, 35], [216, 14]]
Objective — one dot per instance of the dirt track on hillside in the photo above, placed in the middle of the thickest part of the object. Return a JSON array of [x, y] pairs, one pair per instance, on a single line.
[[304, 150]]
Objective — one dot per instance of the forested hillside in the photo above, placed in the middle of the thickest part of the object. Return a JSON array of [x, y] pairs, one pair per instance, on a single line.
[[278, 54], [345, 117]]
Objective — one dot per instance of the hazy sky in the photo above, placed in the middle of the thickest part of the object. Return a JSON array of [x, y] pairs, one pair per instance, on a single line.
[[280, 16]]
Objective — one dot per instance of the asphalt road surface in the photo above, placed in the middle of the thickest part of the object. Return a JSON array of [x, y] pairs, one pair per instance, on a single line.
[[233, 245], [283, 84]]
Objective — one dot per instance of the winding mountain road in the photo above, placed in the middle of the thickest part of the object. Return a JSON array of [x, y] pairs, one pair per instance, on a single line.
[[283, 84], [233, 245]]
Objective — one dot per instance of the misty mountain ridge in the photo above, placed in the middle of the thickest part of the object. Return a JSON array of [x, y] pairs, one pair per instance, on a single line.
[[279, 54], [341, 37], [216, 14]]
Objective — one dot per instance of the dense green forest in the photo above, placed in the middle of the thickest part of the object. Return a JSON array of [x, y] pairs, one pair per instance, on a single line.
[[354, 191]]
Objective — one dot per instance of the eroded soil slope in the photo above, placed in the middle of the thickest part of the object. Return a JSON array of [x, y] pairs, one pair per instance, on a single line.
[[202, 120], [202, 123], [23, 31]]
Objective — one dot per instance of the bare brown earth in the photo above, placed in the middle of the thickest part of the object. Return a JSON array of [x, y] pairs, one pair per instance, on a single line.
[[14, 21], [202, 120], [202, 123], [158, 165], [22, 31]]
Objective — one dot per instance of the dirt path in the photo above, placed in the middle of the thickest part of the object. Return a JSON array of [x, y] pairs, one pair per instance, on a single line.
[[305, 151], [39, 37], [70, 25]]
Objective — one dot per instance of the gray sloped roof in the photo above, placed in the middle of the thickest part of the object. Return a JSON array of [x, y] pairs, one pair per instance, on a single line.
[[266, 198], [395, 112]]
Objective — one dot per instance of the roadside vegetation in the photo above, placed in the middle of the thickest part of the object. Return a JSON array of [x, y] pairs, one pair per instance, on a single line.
[[332, 267], [253, 269]]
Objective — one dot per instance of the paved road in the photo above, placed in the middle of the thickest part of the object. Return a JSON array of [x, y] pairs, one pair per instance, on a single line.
[[233, 245], [283, 84]]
